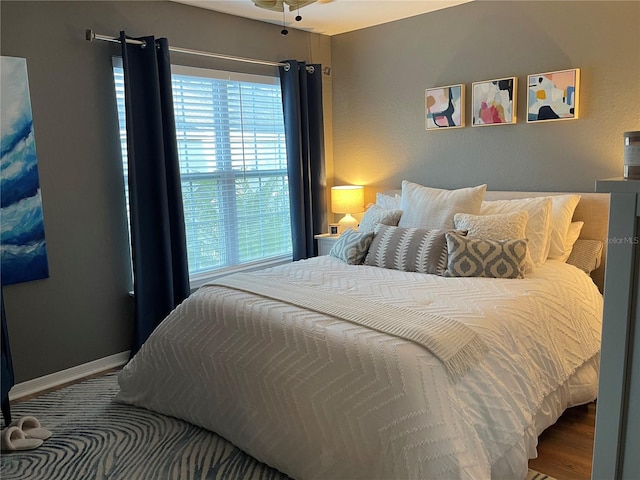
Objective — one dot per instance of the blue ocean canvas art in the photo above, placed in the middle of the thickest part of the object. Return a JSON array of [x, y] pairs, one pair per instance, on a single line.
[[22, 242]]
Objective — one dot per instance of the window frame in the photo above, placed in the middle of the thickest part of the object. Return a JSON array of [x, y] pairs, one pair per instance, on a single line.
[[199, 278]]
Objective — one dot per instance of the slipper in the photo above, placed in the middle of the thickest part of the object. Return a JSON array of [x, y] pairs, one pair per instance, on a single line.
[[31, 428], [13, 439]]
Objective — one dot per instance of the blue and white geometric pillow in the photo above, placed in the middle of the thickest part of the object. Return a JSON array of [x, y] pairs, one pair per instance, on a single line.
[[352, 246]]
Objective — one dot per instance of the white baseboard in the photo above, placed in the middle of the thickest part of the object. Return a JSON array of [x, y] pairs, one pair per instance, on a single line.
[[69, 375]]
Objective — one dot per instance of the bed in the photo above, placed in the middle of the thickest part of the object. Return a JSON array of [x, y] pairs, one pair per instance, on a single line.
[[297, 366]]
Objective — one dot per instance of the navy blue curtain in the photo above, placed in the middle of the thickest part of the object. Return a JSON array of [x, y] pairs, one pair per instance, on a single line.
[[304, 129], [6, 374], [159, 252]]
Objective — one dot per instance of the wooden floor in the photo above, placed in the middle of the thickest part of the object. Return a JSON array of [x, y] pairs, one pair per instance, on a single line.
[[565, 449]]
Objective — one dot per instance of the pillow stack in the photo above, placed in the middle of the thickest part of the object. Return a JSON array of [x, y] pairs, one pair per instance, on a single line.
[[409, 231], [457, 233], [418, 243]]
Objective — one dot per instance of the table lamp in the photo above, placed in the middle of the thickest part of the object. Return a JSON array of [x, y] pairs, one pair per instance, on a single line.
[[347, 199]]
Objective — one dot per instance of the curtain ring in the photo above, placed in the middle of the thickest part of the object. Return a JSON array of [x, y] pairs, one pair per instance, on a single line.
[[311, 69], [287, 67]]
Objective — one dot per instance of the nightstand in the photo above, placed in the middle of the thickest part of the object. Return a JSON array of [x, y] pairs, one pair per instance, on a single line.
[[325, 242]]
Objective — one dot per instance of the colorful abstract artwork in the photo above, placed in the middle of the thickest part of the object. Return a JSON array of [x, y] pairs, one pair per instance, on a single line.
[[494, 102], [22, 242], [444, 107], [553, 96]]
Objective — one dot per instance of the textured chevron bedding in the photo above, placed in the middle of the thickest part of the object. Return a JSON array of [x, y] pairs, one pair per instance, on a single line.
[[319, 397]]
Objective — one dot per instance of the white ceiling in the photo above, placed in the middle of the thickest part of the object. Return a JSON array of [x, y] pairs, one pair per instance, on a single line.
[[330, 17]]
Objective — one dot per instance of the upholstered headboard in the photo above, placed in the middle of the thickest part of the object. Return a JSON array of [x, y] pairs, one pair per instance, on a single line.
[[593, 210]]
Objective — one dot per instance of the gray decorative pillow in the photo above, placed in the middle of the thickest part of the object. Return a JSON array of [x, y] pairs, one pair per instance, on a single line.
[[375, 215], [408, 249], [586, 255], [351, 247], [479, 257]]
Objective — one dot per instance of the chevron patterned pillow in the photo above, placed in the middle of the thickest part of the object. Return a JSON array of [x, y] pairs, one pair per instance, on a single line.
[[479, 257], [408, 249], [352, 246]]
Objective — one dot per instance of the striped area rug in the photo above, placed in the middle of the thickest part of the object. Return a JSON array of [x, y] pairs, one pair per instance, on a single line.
[[97, 438]]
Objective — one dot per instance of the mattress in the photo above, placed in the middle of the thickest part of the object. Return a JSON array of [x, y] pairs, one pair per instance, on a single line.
[[319, 397]]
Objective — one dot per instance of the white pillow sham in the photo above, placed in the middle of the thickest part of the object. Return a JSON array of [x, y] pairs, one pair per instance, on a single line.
[[376, 214], [500, 226], [434, 208], [562, 210], [538, 230], [573, 232], [388, 202]]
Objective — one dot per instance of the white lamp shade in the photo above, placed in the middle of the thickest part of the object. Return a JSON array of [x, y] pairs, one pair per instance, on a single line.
[[347, 199]]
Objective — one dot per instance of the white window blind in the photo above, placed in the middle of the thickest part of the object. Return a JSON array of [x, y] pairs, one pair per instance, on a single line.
[[233, 166]]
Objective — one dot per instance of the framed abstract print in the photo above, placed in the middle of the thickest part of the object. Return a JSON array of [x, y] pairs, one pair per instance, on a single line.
[[553, 96], [494, 102], [444, 107]]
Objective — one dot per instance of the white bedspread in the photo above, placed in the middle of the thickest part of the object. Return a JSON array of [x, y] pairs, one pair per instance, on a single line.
[[321, 398]]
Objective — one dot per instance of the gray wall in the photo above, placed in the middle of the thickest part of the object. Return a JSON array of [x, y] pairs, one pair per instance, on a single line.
[[380, 74], [83, 312]]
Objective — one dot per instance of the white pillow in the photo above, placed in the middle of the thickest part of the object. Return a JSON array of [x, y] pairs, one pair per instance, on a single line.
[[539, 226], [501, 226], [375, 215], [388, 202], [573, 232], [562, 210], [434, 208]]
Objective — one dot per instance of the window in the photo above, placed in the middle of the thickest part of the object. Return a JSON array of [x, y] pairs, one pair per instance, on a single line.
[[233, 166]]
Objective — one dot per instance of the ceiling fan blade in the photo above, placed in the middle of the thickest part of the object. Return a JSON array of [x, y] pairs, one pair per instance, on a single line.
[[275, 5], [296, 4]]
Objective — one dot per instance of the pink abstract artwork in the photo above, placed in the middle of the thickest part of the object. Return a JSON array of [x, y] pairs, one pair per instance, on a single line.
[[494, 102]]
